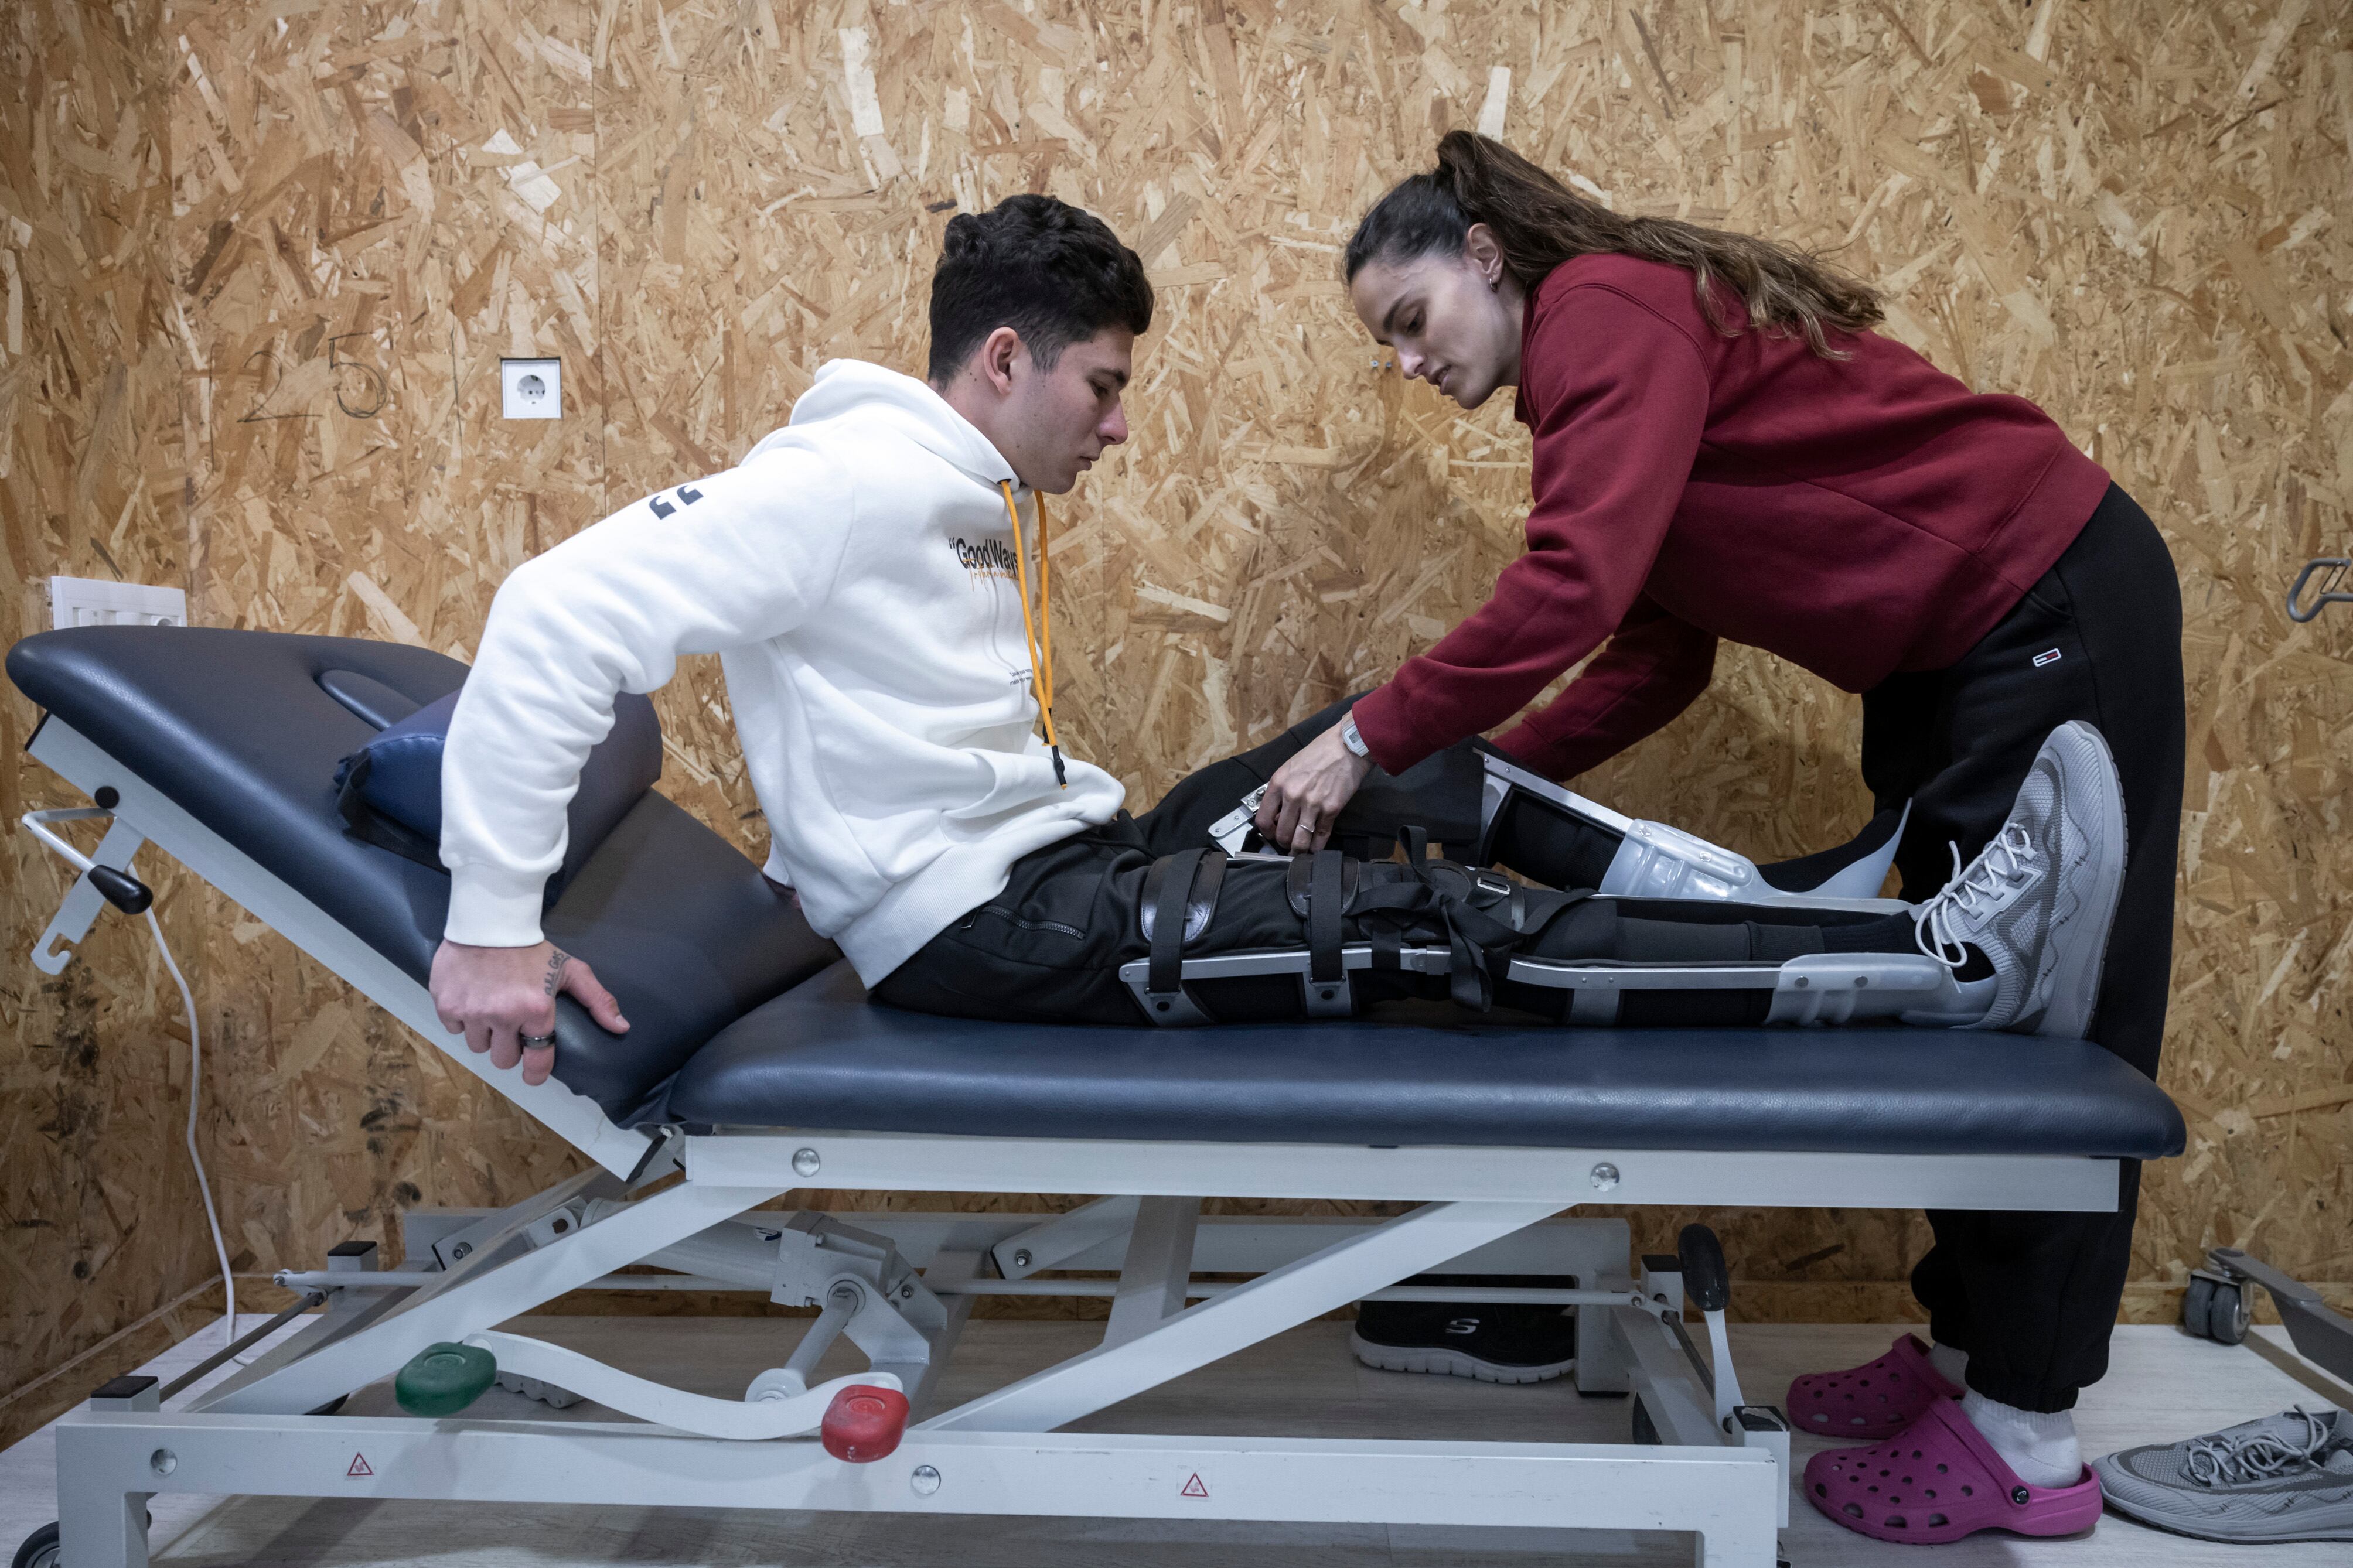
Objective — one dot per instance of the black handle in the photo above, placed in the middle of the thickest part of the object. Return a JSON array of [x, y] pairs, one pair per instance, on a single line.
[[120, 889], [1706, 1279]]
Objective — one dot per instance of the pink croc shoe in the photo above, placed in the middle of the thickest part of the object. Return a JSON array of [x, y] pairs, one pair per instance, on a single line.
[[1873, 1401], [1938, 1480]]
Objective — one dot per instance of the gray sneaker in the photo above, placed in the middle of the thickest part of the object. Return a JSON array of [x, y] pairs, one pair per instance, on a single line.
[[2284, 1477], [2037, 901]]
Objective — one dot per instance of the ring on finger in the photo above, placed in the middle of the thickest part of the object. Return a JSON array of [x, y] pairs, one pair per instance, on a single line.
[[536, 1042]]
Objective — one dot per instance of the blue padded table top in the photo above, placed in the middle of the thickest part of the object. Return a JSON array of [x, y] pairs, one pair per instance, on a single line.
[[238, 730], [823, 1056]]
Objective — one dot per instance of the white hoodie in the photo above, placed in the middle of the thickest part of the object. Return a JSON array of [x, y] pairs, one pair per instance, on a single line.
[[855, 574]]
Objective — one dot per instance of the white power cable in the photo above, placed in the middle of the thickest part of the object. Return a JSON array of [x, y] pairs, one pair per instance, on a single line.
[[36, 823], [195, 1084]]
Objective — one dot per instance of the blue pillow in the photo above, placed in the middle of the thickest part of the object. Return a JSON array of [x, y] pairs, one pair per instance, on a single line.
[[390, 791]]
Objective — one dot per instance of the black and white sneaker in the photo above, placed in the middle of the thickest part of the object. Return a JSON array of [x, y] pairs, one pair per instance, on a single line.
[[1493, 1342], [2037, 901]]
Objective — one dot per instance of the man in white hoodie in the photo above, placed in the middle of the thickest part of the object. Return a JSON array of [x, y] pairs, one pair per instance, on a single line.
[[867, 576]]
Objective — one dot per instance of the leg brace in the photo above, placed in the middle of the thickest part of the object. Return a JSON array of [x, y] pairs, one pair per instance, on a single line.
[[1455, 921], [1654, 860]]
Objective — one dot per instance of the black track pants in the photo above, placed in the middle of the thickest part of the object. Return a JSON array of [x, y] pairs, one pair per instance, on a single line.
[[2031, 1297], [1049, 948]]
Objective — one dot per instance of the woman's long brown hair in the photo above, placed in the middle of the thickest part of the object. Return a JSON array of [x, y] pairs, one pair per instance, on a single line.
[[1541, 222]]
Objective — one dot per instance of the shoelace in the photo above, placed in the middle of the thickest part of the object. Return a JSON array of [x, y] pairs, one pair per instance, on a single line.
[[2222, 1459], [2011, 857]]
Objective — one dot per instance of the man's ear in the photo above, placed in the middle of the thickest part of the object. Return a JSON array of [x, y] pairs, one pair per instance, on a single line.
[[996, 357]]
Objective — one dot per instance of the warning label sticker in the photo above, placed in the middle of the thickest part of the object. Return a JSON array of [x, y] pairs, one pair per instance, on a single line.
[[1194, 1488], [359, 1465]]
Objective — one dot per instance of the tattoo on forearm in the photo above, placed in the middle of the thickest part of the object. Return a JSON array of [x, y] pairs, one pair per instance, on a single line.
[[557, 959]]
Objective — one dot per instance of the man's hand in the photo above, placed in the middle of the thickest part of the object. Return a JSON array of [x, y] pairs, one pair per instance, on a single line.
[[494, 995], [1305, 797]]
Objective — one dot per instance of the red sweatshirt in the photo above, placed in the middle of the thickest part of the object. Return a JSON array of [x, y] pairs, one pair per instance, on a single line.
[[1857, 517]]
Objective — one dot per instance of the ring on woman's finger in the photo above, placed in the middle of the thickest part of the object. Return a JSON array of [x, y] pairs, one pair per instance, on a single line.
[[536, 1042]]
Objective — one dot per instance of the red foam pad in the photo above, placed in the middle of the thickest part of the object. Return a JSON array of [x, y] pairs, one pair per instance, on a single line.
[[863, 1423]]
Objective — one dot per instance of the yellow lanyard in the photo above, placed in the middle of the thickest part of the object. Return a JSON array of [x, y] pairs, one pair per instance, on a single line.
[[1041, 641]]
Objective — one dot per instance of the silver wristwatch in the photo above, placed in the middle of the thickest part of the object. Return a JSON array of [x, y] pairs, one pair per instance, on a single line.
[[1351, 739]]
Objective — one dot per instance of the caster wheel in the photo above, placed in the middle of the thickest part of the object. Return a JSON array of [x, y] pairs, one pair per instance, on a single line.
[[41, 1549], [2196, 1302], [1645, 1429], [2227, 1316]]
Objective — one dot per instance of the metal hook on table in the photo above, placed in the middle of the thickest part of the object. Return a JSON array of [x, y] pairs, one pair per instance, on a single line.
[[2330, 594]]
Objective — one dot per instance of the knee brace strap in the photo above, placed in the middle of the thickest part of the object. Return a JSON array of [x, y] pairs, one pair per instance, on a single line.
[[1321, 887], [1181, 898]]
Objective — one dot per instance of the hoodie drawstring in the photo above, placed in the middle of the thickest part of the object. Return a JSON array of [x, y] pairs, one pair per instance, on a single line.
[[1041, 666]]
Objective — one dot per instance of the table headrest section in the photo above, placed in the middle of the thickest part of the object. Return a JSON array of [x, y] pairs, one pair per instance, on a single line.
[[236, 728], [822, 1056]]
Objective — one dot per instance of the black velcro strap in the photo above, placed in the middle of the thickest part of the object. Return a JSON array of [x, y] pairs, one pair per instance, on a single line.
[[1327, 903], [1417, 844], [1294, 883], [1201, 903], [1165, 888]]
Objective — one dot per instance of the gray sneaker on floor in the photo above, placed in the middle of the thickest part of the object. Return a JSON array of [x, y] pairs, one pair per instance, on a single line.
[[2284, 1477], [2038, 900]]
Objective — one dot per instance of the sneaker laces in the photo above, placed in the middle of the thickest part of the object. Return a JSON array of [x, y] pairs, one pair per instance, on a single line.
[[2010, 858], [2220, 1458]]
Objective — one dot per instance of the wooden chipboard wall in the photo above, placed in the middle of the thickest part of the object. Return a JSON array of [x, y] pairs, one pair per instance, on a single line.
[[2131, 212], [100, 1229]]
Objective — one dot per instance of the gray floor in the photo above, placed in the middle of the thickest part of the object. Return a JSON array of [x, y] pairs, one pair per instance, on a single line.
[[2161, 1385]]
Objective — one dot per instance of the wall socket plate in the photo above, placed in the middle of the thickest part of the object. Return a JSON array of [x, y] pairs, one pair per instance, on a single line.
[[531, 388], [98, 602]]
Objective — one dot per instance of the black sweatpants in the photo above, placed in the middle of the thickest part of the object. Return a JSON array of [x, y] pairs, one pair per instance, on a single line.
[[1049, 948], [2031, 1297]]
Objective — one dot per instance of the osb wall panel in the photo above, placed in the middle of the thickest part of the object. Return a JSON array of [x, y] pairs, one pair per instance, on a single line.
[[99, 1223], [360, 235], [2127, 212]]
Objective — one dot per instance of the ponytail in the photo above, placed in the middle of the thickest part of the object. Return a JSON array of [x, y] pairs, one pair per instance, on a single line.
[[1540, 223]]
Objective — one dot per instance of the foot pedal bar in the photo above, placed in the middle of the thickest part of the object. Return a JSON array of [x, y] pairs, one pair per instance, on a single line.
[[764, 1414]]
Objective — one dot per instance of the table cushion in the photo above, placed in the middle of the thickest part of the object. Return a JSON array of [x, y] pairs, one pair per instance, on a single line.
[[822, 1056], [236, 728]]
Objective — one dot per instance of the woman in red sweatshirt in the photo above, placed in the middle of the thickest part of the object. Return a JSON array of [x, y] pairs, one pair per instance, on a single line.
[[1724, 448]]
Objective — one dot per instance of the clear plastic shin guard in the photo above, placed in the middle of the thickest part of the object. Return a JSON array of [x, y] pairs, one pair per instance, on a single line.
[[1586, 844], [1601, 848], [1656, 861]]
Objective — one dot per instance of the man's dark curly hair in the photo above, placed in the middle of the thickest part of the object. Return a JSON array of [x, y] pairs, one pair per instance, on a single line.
[[1055, 274]]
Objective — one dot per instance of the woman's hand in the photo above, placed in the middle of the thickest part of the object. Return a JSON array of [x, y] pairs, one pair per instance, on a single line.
[[1305, 797], [495, 995]]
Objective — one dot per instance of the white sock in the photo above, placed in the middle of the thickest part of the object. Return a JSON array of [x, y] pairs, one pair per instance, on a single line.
[[2041, 1447], [1950, 1362]]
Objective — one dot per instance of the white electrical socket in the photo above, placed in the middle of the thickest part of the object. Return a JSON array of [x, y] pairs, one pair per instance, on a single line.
[[96, 601], [531, 388]]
